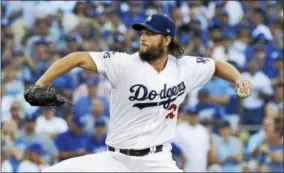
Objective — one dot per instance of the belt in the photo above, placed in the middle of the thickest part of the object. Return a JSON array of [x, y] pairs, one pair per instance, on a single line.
[[132, 152]]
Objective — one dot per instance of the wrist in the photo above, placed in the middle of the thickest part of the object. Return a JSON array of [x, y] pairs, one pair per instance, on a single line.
[[40, 83], [237, 80]]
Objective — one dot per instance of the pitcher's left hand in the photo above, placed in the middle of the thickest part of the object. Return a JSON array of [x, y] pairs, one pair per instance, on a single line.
[[243, 88]]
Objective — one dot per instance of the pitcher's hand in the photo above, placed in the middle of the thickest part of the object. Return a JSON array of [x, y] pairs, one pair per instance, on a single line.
[[243, 88]]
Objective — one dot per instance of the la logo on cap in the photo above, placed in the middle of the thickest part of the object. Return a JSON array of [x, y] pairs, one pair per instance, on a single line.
[[149, 18], [168, 30]]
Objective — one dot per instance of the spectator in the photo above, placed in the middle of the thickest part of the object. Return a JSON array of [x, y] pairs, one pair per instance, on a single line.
[[83, 105], [99, 136], [275, 106], [208, 110], [271, 152], [96, 114], [34, 161], [212, 153], [257, 139], [41, 31], [240, 46], [219, 90], [276, 29], [12, 154], [227, 29], [258, 19], [74, 142], [220, 49], [6, 102], [29, 136], [6, 165], [17, 114], [132, 12], [262, 90], [42, 53], [195, 47], [23, 63], [49, 125], [278, 78], [229, 149], [11, 84], [73, 43], [179, 156], [196, 155]]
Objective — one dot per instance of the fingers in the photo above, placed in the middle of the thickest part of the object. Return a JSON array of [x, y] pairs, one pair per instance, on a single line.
[[244, 88]]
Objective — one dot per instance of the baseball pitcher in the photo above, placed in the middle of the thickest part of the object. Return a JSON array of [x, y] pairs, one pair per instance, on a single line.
[[147, 89]]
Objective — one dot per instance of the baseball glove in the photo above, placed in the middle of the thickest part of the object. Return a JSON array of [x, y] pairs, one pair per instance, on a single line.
[[44, 96]]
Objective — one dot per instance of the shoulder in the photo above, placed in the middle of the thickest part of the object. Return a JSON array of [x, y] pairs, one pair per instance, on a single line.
[[63, 135], [202, 128], [40, 119], [111, 55], [59, 120], [194, 59]]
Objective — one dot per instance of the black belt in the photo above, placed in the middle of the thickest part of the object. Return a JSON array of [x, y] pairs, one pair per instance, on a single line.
[[143, 152]]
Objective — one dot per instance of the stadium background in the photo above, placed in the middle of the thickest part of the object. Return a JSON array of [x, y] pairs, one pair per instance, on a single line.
[[34, 34]]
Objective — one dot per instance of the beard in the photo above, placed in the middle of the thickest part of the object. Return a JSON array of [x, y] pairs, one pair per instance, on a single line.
[[152, 53]]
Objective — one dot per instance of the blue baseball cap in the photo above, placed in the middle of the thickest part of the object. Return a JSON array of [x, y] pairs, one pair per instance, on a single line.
[[203, 92], [189, 110], [31, 117], [159, 24], [42, 42], [225, 124], [79, 121], [37, 148], [196, 21]]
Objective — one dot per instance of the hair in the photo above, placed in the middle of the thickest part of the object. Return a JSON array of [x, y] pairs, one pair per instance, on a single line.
[[175, 48]]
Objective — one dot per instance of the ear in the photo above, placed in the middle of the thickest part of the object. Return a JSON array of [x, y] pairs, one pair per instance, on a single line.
[[167, 41]]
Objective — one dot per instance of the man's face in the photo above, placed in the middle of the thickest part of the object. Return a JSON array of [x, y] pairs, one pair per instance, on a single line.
[[278, 65], [225, 131], [42, 51], [35, 157], [193, 118], [279, 93], [151, 46], [15, 110], [73, 127], [47, 113], [30, 126], [268, 125], [97, 108], [252, 66]]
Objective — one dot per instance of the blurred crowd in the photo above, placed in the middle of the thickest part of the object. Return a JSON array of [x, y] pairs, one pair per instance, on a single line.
[[216, 131]]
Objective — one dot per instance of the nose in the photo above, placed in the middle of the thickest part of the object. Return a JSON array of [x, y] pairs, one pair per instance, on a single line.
[[142, 37]]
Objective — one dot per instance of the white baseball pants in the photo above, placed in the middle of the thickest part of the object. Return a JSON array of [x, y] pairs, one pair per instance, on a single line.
[[108, 161]]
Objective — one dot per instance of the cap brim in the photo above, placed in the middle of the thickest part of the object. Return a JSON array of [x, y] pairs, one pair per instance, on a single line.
[[140, 26]]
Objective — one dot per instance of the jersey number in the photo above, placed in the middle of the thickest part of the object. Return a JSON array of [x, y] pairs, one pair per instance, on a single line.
[[171, 108]]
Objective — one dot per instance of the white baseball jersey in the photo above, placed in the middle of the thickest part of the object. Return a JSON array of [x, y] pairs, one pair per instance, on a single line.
[[144, 102]]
